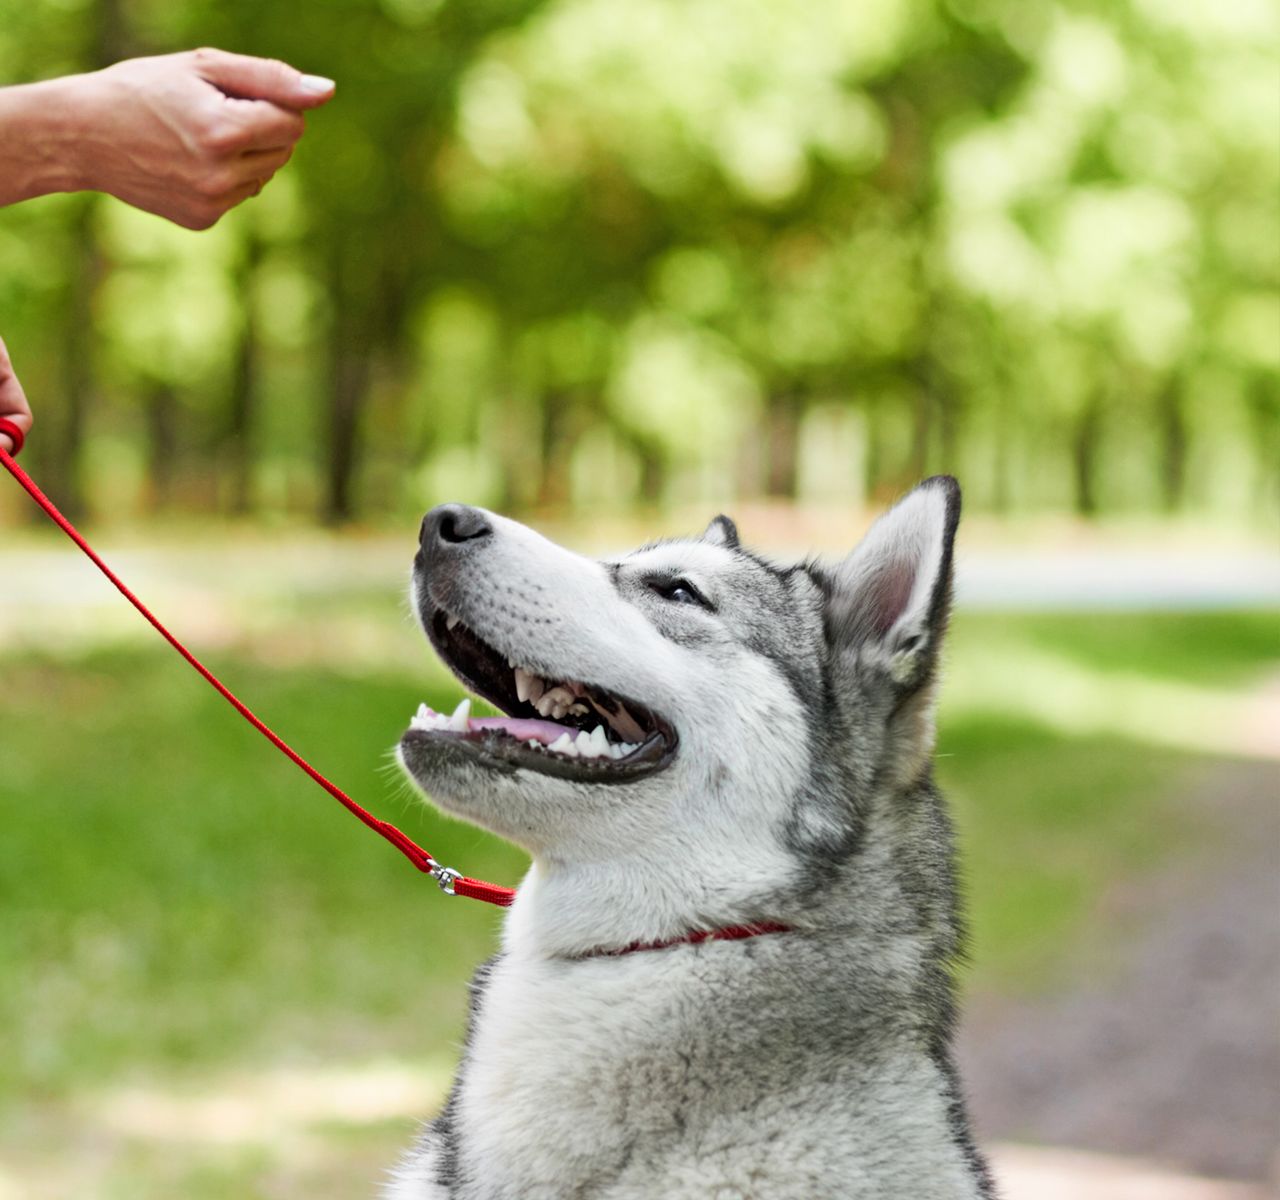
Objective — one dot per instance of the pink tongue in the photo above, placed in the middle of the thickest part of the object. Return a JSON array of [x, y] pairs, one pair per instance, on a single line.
[[524, 729]]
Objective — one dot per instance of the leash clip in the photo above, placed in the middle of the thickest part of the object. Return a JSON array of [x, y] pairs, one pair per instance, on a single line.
[[446, 877]]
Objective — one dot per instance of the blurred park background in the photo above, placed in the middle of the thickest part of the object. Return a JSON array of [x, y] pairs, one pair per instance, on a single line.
[[613, 267]]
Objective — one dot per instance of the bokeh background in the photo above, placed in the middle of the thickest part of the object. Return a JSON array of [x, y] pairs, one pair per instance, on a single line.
[[612, 268]]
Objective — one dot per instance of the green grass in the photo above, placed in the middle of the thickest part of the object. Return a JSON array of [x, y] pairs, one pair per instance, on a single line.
[[1213, 649], [177, 902], [177, 895]]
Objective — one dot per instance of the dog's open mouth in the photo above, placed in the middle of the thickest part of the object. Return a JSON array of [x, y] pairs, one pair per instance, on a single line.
[[564, 728]]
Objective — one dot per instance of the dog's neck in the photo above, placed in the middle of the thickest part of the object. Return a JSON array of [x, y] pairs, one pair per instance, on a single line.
[[626, 906]]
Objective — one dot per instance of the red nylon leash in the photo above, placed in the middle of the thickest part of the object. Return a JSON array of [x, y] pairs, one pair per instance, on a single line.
[[449, 880]]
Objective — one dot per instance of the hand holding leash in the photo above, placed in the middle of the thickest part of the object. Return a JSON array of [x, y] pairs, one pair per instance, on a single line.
[[14, 409]]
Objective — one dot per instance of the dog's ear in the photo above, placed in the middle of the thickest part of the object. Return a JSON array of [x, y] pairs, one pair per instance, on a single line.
[[891, 597], [722, 532]]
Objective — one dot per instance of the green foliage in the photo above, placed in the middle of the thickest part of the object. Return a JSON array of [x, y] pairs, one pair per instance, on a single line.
[[573, 252]]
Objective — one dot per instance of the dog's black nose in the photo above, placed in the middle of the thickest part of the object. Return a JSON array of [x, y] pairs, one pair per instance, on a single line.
[[452, 524]]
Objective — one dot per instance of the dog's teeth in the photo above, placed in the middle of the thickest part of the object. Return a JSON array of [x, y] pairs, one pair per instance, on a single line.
[[593, 744], [458, 722], [555, 702], [577, 709], [563, 745], [536, 688], [533, 743], [426, 718], [523, 681], [450, 622]]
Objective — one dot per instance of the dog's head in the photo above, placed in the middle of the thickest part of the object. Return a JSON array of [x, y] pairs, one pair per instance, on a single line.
[[687, 712]]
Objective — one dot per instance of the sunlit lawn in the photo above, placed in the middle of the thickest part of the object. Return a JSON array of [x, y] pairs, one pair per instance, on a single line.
[[183, 912]]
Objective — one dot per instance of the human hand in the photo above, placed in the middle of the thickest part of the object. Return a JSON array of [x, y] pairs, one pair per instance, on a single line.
[[188, 136], [13, 401]]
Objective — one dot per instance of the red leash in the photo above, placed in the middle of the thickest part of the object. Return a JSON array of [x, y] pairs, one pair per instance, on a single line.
[[449, 880]]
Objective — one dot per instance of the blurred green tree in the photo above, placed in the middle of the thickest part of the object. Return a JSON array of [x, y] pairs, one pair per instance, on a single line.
[[574, 252]]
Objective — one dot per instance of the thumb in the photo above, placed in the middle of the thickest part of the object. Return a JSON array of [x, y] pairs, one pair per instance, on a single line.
[[262, 79]]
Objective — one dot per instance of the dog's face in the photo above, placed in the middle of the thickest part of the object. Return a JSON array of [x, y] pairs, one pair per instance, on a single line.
[[684, 695]]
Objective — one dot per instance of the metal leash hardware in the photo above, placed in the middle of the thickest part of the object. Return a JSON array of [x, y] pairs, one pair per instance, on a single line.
[[445, 877]]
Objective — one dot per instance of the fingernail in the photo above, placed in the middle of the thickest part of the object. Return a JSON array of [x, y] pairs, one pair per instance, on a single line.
[[317, 83]]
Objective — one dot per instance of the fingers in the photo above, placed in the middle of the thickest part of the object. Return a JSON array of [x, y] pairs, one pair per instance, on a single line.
[[266, 126], [262, 79], [260, 165], [13, 401]]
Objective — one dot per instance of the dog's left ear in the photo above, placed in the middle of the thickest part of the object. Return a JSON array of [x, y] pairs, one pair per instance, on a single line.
[[891, 597], [722, 532]]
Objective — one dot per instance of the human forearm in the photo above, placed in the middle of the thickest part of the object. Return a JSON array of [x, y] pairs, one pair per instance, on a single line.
[[39, 135], [187, 136]]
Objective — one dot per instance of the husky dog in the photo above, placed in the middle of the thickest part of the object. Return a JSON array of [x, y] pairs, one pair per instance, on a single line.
[[727, 973]]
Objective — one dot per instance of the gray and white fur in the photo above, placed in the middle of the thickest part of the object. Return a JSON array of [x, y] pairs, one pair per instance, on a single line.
[[789, 1066]]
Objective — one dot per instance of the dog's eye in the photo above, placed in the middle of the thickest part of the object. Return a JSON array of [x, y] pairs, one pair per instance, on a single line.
[[679, 591]]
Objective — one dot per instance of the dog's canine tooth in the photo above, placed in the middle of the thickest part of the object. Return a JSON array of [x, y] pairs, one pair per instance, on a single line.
[[450, 621], [458, 722], [523, 679]]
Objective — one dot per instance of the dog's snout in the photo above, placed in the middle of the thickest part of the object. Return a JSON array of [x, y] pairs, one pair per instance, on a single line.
[[453, 524]]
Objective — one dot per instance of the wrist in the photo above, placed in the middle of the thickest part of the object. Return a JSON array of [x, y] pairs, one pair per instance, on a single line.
[[69, 107], [44, 124]]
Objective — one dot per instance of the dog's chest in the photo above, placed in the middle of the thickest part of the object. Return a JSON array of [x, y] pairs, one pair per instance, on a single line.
[[564, 1068], [646, 1076]]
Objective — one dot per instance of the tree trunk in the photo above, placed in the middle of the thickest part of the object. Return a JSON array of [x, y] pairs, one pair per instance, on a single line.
[[1173, 446], [1001, 433], [873, 461], [556, 445], [348, 380], [782, 453], [77, 361], [1084, 457], [242, 411], [162, 445]]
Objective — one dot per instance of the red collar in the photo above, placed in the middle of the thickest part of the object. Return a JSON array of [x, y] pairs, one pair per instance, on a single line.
[[731, 933]]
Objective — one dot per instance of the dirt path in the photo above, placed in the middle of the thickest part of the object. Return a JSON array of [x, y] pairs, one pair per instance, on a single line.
[[1168, 1045]]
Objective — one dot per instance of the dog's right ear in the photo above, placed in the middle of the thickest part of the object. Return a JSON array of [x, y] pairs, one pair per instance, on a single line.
[[722, 532], [891, 597]]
